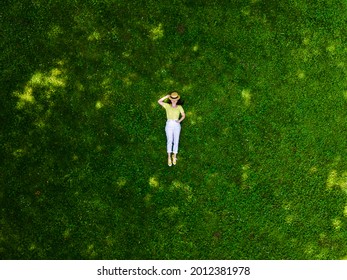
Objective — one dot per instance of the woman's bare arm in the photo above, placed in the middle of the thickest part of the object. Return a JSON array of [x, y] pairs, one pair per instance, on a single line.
[[161, 100], [182, 117]]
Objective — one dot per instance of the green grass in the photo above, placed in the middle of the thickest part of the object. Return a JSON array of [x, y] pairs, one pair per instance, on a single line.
[[261, 172]]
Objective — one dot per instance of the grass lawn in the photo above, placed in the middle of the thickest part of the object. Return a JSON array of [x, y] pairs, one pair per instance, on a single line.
[[261, 171]]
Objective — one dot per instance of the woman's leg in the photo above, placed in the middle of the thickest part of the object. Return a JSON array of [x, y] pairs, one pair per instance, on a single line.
[[169, 162], [174, 158], [169, 129], [176, 139]]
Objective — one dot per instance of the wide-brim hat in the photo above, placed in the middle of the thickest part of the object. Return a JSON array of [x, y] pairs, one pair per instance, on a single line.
[[174, 96]]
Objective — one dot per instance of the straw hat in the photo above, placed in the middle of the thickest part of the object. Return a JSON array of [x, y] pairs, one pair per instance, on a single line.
[[174, 96]]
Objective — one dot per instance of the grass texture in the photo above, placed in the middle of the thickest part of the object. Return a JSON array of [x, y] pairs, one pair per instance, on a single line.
[[261, 171]]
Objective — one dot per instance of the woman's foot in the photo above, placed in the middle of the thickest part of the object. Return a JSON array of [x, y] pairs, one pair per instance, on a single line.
[[169, 163], [174, 160]]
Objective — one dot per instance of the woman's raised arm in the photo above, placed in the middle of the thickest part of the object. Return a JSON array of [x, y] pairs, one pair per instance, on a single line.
[[161, 100]]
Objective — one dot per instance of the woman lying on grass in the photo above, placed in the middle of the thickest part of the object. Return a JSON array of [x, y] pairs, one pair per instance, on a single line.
[[173, 124]]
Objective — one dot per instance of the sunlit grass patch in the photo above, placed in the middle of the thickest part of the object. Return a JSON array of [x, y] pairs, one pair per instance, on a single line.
[[55, 78], [49, 81], [129, 79], [153, 182], [301, 74], [246, 96], [55, 32], [99, 105], [157, 32], [335, 179], [95, 36], [195, 48], [169, 212], [194, 117], [19, 152], [121, 182], [245, 175], [25, 97], [336, 222]]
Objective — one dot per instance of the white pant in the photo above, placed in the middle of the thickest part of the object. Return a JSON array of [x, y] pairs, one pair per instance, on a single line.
[[172, 129]]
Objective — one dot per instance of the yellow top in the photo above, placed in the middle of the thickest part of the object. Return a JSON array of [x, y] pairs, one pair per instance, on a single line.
[[173, 113]]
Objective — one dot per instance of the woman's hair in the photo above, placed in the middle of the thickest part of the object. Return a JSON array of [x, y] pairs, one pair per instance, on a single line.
[[179, 101]]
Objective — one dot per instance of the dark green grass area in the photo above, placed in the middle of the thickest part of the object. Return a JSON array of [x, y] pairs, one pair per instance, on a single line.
[[261, 170]]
